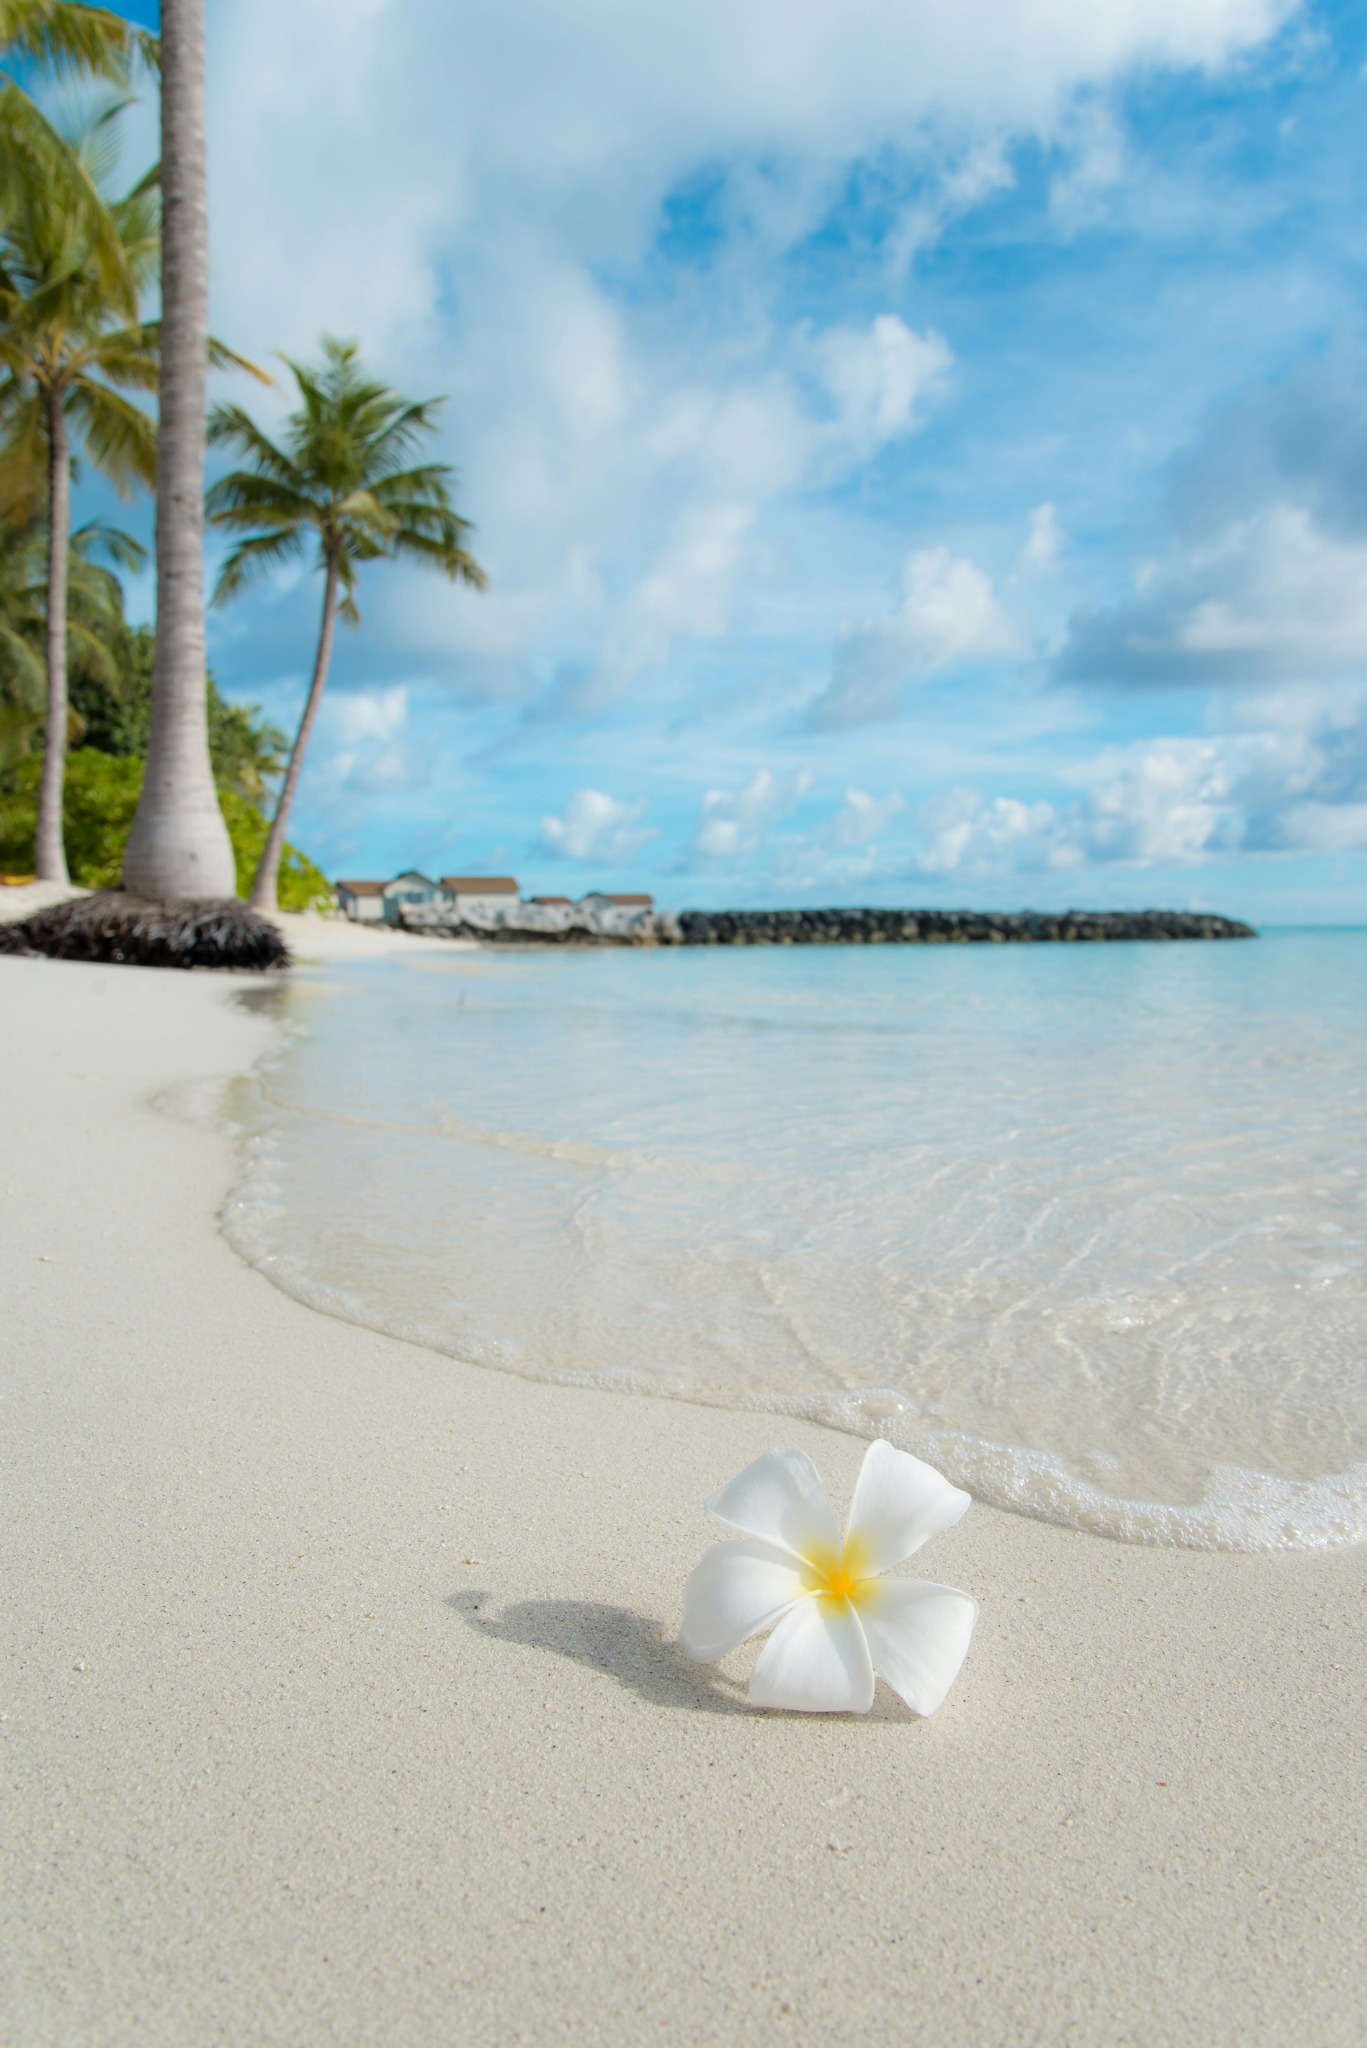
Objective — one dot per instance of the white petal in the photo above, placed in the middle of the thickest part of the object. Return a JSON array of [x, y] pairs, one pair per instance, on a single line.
[[738, 1589], [898, 1505], [780, 1500], [918, 1635], [816, 1661]]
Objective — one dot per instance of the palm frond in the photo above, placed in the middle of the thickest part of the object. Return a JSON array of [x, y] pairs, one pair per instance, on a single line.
[[23, 452], [253, 558], [23, 672], [121, 547], [121, 358], [241, 496], [43, 177], [72, 40], [120, 438], [221, 357], [438, 553], [228, 424], [87, 650]]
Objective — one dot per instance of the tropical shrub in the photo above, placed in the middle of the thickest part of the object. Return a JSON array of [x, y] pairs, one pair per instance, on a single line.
[[99, 800]]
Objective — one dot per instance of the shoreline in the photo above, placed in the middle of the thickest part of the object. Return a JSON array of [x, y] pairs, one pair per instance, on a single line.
[[342, 1702]]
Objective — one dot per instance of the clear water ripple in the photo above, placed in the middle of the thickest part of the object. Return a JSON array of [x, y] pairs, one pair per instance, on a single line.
[[1085, 1225]]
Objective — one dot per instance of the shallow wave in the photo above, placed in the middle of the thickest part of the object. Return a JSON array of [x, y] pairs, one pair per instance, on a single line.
[[1119, 1289]]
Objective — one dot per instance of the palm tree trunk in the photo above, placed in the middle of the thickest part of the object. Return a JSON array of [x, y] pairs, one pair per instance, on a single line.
[[179, 844], [268, 873], [50, 859]]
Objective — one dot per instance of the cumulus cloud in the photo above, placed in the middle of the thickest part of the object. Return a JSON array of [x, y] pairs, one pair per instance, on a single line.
[[843, 851], [948, 615], [732, 823], [507, 173], [1293, 781], [1273, 595], [1265, 576], [365, 745], [862, 819], [879, 378], [596, 827]]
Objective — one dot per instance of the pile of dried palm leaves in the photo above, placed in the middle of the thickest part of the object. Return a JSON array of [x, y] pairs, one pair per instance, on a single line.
[[111, 926]]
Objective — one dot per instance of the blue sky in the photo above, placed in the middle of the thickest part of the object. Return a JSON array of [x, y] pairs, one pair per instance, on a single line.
[[919, 447]]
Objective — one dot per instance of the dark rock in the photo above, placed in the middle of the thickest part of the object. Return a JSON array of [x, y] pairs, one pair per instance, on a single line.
[[125, 930], [861, 927]]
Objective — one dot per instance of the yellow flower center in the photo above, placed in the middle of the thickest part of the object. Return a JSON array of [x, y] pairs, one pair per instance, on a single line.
[[837, 1575]]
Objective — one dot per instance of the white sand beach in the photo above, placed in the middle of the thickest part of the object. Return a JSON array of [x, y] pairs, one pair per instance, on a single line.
[[342, 1701]]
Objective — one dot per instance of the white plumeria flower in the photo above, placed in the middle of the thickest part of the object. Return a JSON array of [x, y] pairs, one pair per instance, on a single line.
[[838, 1621]]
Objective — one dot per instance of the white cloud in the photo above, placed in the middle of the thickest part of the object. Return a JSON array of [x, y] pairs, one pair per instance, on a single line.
[[1094, 166], [1293, 781], [596, 827], [731, 823], [879, 377], [505, 172], [844, 851], [967, 833], [1265, 576], [1043, 539], [948, 614], [862, 819], [1271, 595], [684, 593], [365, 749]]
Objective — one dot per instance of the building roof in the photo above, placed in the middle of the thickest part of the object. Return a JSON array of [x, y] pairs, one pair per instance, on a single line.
[[364, 888], [624, 902], [480, 885], [566, 900]]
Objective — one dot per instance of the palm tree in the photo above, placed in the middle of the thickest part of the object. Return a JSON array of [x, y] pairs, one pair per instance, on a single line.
[[179, 844], [95, 621], [66, 349], [65, 39], [346, 478]]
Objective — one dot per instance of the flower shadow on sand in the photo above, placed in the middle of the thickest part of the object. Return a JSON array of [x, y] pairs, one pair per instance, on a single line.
[[624, 1646]]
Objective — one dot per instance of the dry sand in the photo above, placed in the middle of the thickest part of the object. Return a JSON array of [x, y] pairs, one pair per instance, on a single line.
[[342, 1702]]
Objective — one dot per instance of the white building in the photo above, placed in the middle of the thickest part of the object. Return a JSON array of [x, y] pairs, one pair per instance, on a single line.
[[599, 900], [408, 889], [361, 901], [484, 895]]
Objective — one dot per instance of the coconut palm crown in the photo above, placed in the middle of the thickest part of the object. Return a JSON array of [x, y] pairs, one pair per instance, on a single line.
[[344, 482], [69, 42], [68, 354]]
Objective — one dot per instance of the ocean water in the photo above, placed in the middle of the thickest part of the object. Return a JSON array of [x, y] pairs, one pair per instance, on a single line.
[[1086, 1226]]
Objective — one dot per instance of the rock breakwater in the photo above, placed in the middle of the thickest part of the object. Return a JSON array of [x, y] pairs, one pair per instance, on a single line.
[[946, 927], [533, 925]]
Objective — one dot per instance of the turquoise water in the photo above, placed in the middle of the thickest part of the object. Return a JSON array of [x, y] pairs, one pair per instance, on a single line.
[[1085, 1225]]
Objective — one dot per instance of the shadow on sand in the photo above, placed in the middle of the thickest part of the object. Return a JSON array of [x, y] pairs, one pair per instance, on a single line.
[[626, 1647]]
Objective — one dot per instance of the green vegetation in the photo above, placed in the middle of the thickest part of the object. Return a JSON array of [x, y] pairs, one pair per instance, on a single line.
[[110, 721], [74, 44], [95, 624], [66, 344], [99, 800], [344, 479]]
